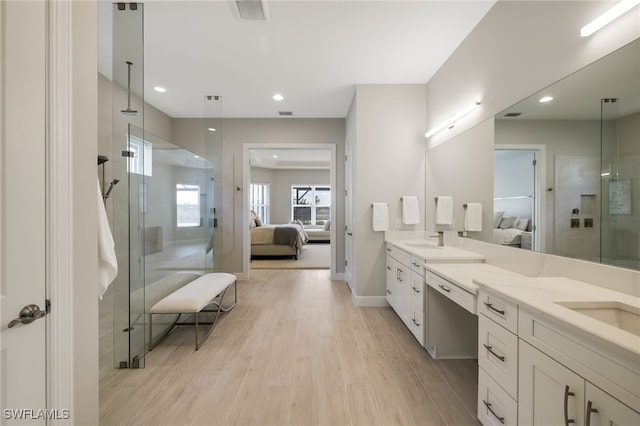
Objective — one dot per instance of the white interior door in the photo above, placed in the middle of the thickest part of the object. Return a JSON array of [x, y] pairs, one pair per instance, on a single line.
[[22, 209]]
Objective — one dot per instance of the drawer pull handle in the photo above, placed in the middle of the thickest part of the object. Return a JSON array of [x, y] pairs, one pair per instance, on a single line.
[[388, 268], [490, 306], [590, 410], [388, 291], [490, 349], [493, 412], [567, 394], [448, 290], [415, 289], [415, 322], [388, 249]]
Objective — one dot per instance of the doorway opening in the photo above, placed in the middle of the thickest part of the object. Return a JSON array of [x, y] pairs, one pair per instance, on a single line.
[[292, 185], [518, 202]]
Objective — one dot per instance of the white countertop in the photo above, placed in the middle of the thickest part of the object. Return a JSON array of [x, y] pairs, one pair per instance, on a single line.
[[462, 274], [430, 252], [538, 294]]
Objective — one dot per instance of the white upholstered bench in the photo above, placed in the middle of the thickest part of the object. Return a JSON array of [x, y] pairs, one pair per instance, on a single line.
[[193, 298]]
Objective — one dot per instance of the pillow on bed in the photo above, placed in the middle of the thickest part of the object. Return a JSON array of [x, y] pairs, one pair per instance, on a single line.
[[507, 222], [257, 219], [522, 223], [252, 220], [327, 225], [497, 216]]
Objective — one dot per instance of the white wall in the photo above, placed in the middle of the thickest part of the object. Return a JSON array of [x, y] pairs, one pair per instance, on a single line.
[[388, 156]]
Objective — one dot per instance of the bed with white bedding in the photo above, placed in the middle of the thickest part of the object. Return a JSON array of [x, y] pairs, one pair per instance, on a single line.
[[512, 231], [276, 240]]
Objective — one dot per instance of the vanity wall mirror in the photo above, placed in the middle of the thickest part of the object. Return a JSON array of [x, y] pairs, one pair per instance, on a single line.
[[567, 165]]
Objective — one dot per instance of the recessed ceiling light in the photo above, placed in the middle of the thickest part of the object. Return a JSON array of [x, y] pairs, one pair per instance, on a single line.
[[159, 89], [211, 129], [274, 156], [278, 97], [196, 156], [545, 99]]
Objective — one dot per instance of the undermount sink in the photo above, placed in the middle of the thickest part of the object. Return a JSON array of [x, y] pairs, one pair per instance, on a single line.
[[620, 315]]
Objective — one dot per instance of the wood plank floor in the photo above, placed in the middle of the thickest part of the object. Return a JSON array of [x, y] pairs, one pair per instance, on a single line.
[[295, 351]]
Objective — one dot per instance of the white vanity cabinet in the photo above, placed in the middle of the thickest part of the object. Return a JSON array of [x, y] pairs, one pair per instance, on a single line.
[[404, 291], [548, 373], [497, 360], [417, 318], [550, 393]]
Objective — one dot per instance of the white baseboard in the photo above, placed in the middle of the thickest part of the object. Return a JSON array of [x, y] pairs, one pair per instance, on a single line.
[[339, 276], [369, 301]]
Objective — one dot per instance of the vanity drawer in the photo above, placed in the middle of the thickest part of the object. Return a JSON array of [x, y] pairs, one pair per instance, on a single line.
[[417, 264], [495, 406], [399, 254], [498, 309], [498, 354], [452, 291]]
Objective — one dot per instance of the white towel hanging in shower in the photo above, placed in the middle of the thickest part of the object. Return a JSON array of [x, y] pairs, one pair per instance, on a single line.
[[107, 262]]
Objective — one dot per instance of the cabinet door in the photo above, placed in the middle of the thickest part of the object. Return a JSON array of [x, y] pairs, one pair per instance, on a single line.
[[391, 281], [548, 392], [403, 293], [602, 409]]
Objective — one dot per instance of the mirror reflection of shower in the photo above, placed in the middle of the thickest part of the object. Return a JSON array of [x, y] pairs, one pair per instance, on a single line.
[[129, 110]]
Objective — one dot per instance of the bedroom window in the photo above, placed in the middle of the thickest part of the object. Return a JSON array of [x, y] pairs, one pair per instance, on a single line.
[[187, 205], [311, 204], [259, 200]]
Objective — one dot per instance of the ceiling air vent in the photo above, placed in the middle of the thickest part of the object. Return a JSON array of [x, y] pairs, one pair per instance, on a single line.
[[513, 114], [252, 10], [285, 113]]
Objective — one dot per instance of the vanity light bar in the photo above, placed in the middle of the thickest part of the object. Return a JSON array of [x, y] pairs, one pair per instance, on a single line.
[[451, 120], [616, 11]]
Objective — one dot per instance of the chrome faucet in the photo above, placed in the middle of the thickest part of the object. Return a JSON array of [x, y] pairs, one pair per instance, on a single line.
[[440, 237]]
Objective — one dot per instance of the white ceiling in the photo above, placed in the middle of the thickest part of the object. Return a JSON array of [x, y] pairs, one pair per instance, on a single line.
[[577, 96], [289, 158], [312, 52]]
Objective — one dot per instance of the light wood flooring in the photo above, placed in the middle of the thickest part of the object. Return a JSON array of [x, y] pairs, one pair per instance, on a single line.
[[295, 351]]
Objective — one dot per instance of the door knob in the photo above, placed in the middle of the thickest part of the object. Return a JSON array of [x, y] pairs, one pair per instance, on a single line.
[[28, 314]]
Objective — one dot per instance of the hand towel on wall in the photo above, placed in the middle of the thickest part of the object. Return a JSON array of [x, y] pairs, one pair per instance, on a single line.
[[107, 262], [473, 217], [380, 217], [410, 210], [444, 210]]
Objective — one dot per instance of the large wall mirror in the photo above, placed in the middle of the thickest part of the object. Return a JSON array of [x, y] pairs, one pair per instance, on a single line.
[[567, 165]]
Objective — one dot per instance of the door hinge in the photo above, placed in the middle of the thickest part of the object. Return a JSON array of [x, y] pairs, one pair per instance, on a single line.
[[129, 154], [534, 162]]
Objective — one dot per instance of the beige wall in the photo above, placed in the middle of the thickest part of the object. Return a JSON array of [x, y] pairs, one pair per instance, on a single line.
[[236, 132], [281, 182], [388, 157], [516, 50]]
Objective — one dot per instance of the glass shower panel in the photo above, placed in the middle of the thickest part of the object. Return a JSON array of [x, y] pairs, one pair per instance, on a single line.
[[216, 253], [620, 180], [128, 155]]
